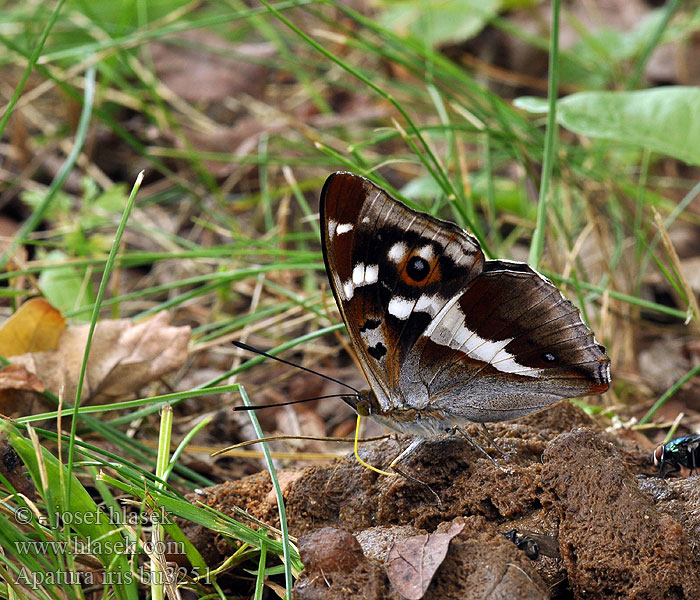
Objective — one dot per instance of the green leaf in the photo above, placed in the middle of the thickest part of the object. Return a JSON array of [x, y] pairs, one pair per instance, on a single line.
[[441, 21], [532, 104], [662, 119], [65, 287], [509, 196]]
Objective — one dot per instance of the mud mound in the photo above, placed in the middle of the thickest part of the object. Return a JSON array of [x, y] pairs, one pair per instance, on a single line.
[[615, 532], [613, 543]]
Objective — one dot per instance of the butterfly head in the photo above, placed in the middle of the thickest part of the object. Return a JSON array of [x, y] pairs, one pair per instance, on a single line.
[[364, 403]]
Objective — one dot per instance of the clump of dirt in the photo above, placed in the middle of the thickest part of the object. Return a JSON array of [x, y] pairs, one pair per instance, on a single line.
[[679, 499], [617, 530], [339, 562], [613, 543], [481, 563]]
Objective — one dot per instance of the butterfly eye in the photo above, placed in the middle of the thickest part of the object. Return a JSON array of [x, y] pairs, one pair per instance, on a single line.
[[418, 268]]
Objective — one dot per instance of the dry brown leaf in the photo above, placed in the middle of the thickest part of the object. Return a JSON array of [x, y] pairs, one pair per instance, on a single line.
[[35, 327], [414, 560], [663, 362], [19, 392], [123, 357], [16, 377], [238, 139]]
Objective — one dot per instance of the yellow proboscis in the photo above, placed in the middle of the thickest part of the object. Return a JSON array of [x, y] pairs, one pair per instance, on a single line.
[[357, 456]]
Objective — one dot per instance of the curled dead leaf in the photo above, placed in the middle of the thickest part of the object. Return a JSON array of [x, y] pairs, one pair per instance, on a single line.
[[123, 357], [16, 377], [19, 391]]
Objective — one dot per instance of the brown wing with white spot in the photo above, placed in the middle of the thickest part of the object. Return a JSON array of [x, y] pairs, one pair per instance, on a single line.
[[392, 270], [441, 333], [509, 345]]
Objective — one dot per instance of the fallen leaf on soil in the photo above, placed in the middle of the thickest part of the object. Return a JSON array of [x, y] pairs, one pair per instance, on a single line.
[[20, 392], [123, 357], [663, 361], [414, 560], [220, 77], [16, 377], [693, 347], [35, 327]]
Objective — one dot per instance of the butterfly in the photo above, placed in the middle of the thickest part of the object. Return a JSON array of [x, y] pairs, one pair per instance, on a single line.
[[443, 335]]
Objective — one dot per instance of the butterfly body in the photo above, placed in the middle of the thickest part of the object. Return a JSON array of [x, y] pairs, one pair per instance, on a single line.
[[445, 336]]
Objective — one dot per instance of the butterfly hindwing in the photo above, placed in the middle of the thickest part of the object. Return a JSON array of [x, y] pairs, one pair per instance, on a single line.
[[519, 348]]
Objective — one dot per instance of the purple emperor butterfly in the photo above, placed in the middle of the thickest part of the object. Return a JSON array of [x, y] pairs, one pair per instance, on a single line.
[[443, 335]]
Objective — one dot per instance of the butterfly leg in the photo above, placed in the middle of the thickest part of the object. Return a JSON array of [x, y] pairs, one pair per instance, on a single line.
[[493, 442], [410, 449], [476, 446]]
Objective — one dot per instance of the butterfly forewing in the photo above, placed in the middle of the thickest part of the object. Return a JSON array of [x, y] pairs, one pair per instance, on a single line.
[[436, 327], [392, 269]]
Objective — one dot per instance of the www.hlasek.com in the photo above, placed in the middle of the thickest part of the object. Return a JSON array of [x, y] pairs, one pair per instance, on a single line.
[[99, 547], [23, 515], [171, 575]]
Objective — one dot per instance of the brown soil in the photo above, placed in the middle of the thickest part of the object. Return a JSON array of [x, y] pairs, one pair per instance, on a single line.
[[621, 532]]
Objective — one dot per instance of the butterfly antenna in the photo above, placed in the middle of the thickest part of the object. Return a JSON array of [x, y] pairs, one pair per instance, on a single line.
[[291, 364], [261, 406]]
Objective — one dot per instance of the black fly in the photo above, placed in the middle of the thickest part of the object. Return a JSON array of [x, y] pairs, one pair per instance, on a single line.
[[681, 452], [533, 544]]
